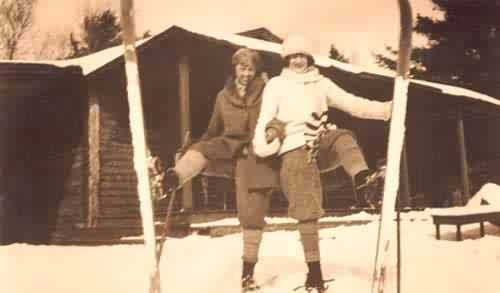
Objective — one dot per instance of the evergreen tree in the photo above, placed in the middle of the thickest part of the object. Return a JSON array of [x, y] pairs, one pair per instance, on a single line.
[[100, 30], [463, 48], [336, 55]]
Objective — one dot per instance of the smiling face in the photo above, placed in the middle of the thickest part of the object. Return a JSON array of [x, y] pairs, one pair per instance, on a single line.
[[298, 62], [245, 73]]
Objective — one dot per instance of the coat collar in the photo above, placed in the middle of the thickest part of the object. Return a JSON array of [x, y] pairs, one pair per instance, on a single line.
[[252, 96]]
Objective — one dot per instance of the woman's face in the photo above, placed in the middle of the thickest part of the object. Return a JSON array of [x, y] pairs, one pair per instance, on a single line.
[[298, 63], [245, 73]]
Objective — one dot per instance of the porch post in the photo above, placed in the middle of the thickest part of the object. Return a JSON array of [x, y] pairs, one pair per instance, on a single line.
[[185, 122], [463, 157], [94, 142]]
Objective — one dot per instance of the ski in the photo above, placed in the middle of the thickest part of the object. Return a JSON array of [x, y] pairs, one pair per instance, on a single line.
[[296, 289], [136, 118], [261, 285], [272, 284], [269, 282], [394, 150]]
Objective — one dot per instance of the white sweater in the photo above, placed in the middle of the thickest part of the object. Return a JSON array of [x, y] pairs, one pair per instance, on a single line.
[[292, 97]]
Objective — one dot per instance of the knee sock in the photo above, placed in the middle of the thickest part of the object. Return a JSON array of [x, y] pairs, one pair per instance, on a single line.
[[251, 244], [248, 269], [309, 235]]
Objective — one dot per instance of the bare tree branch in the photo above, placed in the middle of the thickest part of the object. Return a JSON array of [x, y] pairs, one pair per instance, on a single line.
[[16, 18]]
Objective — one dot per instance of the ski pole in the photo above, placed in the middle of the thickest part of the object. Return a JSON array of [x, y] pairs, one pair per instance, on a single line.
[[136, 120], [395, 146]]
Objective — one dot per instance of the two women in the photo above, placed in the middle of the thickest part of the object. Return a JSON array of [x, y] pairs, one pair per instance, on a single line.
[[270, 154]]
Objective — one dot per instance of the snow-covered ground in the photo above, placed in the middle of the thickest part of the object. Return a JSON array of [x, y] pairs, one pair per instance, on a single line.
[[203, 264]]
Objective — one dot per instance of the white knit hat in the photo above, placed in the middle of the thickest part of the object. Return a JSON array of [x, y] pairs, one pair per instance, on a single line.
[[295, 44]]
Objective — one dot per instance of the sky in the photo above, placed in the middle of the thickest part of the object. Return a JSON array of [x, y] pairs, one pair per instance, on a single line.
[[357, 28]]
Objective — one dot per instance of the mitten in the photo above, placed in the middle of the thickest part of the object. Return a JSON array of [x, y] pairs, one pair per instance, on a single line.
[[275, 129]]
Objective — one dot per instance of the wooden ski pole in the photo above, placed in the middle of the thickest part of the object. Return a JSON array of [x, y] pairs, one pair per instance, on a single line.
[[136, 118], [166, 226]]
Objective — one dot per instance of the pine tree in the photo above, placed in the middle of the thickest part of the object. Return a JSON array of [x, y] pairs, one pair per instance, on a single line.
[[463, 47], [100, 30], [336, 55]]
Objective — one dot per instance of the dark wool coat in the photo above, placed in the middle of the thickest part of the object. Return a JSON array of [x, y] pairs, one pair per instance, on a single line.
[[228, 138]]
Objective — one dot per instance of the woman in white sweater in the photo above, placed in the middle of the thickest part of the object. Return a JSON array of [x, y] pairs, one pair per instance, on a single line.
[[291, 98]]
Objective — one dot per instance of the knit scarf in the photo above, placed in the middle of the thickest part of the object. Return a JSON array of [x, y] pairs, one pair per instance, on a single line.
[[311, 74]]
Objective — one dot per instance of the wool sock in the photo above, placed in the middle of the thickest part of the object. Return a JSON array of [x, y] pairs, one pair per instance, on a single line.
[[309, 236], [251, 244], [248, 269]]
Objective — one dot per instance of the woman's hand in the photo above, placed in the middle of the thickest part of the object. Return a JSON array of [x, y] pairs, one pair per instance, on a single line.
[[275, 129], [271, 134]]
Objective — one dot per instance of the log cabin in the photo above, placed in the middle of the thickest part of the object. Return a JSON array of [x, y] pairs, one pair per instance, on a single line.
[[450, 130]]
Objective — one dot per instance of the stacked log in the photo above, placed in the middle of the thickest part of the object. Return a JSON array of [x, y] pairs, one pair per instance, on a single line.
[[72, 210], [118, 182], [118, 197]]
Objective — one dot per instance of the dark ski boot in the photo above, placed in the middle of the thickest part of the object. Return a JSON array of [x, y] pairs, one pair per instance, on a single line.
[[314, 280], [248, 283], [170, 181], [361, 189]]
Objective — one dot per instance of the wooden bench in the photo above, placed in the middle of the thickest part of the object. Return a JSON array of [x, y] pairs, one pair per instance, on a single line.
[[464, 215]]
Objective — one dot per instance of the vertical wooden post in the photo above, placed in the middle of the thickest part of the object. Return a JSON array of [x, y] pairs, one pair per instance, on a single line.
[[464, 167], [405, 190], [185, 122], [4, 138], [94, 142]]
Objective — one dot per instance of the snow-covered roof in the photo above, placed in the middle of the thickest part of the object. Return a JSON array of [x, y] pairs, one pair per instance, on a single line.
[[89, 63], [93, 62], [58, 63]]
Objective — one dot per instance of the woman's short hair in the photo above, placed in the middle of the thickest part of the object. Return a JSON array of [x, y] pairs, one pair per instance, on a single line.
[[247, 56]]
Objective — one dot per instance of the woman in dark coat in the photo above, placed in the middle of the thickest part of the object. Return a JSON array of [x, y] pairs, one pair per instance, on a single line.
[[228, 141]]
